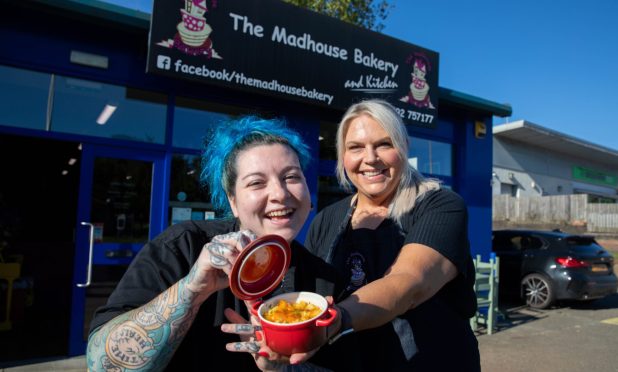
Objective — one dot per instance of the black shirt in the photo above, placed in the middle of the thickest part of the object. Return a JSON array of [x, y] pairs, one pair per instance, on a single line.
[[436, 335], [168, 258]]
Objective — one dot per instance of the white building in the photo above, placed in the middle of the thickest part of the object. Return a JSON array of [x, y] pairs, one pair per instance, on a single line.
[[530, 160]]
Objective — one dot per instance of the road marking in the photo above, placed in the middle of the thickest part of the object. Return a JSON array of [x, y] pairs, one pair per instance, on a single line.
[[613, 321]]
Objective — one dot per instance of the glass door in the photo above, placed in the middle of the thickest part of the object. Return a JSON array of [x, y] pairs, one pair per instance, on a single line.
[[120, 207], [38, 204]]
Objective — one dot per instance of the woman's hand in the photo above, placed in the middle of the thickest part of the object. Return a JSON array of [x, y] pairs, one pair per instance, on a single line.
[[252, 341], [210, 272]]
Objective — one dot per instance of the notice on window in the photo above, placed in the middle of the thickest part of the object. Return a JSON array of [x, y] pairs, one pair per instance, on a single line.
[[98, 232], [180, 214]]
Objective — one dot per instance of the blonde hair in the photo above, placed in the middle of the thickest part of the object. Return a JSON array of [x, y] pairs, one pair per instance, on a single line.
[[412, 185]]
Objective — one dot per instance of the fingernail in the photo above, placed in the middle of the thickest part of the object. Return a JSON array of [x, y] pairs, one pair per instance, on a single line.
[[258, 336], [293, 362], [264, 354]]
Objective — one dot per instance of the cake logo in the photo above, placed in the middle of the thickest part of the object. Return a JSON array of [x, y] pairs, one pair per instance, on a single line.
[[193, 36], [356, 265], [419, 89]]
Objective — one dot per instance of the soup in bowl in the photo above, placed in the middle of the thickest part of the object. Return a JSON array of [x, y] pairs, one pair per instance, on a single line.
[[295, 322]]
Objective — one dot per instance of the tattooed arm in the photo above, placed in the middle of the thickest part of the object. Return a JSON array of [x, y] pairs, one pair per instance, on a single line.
[[145, 338]]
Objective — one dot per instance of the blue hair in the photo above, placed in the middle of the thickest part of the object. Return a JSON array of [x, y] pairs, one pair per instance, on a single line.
[[228, 139]]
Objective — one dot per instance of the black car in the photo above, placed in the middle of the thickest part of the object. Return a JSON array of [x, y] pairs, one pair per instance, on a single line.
[[545, 266]]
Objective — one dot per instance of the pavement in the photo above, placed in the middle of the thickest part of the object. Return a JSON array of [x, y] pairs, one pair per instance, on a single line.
[[571, 337]]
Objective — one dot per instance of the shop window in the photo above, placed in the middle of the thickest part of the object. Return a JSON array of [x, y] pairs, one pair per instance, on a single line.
[[104, 110], [188, 200], [23, 98], [509, 189], [329, 190], [432, 158], [194, 119], [121, 195], [602, 199], [328, 141]]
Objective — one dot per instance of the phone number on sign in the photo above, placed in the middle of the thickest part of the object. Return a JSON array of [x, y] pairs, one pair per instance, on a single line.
[[415, 115]]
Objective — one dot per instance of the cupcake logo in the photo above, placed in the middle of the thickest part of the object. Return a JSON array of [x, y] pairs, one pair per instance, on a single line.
[[193, 32], [356, 265], [419, 89]]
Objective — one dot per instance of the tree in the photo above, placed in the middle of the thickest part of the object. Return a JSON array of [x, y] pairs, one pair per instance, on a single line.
[[365, 13]]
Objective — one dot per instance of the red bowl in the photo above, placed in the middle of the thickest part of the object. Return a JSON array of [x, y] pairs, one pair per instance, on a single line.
[[290, 338]]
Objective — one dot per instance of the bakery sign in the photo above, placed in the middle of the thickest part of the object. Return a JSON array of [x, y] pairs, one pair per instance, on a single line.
[[271, 47]]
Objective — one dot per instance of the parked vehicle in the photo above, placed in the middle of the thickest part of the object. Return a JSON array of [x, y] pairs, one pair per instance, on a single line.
[[545, 266]]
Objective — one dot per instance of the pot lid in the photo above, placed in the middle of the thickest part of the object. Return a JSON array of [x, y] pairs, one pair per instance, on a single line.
[[260, 267]]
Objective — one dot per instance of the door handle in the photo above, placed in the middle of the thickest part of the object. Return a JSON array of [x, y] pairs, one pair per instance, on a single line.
[[90, 254]]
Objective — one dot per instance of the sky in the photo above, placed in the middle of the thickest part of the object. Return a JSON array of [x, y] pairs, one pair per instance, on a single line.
[[554, 62]]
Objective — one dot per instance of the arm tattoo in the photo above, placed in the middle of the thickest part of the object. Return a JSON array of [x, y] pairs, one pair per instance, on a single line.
[[144, 338]]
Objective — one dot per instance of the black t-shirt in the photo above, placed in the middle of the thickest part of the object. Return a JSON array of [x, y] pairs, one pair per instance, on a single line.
[[168, 258], [436, 335]]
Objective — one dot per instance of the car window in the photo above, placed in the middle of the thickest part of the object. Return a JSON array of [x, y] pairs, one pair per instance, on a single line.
[[531, 242], [502, 242], [583, 244], [525, 242]]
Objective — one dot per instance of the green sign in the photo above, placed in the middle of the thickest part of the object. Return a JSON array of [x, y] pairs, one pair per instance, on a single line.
[[594, 176]]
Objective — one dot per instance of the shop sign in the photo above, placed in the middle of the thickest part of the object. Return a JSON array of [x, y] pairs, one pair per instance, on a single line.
[[271, 47], [594, 176]]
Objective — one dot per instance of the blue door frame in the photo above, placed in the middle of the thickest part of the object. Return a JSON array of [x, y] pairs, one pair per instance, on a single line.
[[158, 222]]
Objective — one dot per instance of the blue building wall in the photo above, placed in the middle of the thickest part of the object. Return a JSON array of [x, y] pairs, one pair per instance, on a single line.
[[46, 41], [54, 38]]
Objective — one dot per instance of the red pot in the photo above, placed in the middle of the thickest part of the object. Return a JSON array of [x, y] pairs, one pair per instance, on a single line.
[[290, 338], [258, 270]]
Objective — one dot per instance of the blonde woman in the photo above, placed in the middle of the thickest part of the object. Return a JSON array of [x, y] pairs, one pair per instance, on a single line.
[[400, 250]]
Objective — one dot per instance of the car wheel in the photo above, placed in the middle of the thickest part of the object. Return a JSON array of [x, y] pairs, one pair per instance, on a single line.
[[537, 291]]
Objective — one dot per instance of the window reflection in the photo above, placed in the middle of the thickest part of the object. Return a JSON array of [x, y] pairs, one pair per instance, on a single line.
[[193, 119], [329, 191], [121, 199], [188, 199], [80, 107], [328, 141], [23, 98], [431, 157]]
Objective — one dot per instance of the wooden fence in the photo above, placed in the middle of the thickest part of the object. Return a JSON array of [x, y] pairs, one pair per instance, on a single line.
[[560, 209]]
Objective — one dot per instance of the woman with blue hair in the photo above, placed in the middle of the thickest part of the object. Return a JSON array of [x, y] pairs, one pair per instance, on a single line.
[[167, 310]]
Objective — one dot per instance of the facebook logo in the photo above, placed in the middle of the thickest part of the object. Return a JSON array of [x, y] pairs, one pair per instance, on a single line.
[[164, 62]]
